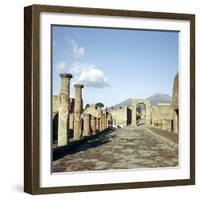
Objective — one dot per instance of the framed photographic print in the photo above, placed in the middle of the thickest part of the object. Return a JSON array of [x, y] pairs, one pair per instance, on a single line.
[[109, 99]]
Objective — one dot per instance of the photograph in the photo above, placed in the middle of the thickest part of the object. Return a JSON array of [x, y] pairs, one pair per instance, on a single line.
[[109, 99], [114, 99]]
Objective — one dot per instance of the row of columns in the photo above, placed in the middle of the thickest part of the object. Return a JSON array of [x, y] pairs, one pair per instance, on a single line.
[[77, 122], [92, 124]]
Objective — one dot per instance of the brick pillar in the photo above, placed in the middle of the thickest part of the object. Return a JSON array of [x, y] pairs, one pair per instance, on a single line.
[[93, 124], [99, 119], [63, 123], [86, 124], [78, 104]]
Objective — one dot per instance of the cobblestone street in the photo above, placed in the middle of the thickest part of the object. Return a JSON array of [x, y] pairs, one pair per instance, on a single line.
[[125, 148]]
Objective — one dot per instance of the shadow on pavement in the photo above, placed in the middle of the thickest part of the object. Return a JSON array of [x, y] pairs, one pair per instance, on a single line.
[[82, 145]]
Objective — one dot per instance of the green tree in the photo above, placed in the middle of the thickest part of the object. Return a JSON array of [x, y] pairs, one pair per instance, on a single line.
[[87, 106], [100, 105]]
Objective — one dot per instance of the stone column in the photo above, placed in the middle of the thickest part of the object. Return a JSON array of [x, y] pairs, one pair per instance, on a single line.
[[106, 121], [86, 124], [63, 124], [93, 124], [71, 121], [97, 124], [110, 122], [104, 116], [102, 122], [78, 104]]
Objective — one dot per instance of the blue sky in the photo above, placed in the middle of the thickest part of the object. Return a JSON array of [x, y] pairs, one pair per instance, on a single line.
[[115, 64]]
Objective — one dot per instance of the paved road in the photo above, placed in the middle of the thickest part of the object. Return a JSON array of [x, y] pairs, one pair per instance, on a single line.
[[124, 148]]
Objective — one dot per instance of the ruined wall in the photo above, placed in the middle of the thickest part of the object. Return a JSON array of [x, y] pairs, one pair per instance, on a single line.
[[94, 111], [175, 104], [56, 104], [162, 116], [175, 98], [120, 116]]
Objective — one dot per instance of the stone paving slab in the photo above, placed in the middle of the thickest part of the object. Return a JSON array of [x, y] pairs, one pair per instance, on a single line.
[[126, 148]]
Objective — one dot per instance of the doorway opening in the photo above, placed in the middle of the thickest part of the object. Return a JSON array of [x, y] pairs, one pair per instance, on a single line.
[[140, 114]]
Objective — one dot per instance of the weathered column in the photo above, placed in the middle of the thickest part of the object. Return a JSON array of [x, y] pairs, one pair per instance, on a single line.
[[63, 124], [71, 109], [71, 121], [93, 124], [109, 118], [99, 119], [102, 122], [106, 121], [105, 118], [78, 104], [97, 124], [86, 124]]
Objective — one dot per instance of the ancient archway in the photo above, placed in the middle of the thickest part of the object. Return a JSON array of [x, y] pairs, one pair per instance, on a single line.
[[147, 115], [140, 114]]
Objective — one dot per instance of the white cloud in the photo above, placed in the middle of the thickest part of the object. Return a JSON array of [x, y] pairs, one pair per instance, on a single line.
[[89, 75], [61, 66], [78, 51]]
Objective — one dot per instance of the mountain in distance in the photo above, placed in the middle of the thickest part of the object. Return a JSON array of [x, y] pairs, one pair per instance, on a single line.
[[154, 99], [159, 98], [126, 102]]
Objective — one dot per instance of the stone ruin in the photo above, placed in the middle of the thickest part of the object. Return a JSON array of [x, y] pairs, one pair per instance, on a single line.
[[121, 116], [72, 123], [175, 104]]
